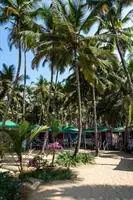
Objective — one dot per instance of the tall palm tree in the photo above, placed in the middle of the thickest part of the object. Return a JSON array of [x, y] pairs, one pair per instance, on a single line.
[[41, 92], [7, 77], [95, 119], [70, 20], [17, 13], [45, 14], [24, 92], [112, 20]]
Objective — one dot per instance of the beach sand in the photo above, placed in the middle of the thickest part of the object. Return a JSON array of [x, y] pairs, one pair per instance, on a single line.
[[111, 178]]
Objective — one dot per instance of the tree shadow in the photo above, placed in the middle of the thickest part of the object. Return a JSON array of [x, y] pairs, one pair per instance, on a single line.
[[85, 192], [125, 165], [115, 154]]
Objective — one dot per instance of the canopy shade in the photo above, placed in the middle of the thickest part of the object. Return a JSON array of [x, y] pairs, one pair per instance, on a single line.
[[9, 124]]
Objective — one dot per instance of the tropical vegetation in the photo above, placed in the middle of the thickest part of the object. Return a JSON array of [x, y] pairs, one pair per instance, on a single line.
[[91, 38]]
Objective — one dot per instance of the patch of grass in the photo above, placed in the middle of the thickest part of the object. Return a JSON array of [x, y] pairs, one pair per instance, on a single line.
[[66, 159], [49, 174]]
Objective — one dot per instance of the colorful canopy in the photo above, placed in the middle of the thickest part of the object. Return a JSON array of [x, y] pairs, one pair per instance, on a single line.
[[9, 124]]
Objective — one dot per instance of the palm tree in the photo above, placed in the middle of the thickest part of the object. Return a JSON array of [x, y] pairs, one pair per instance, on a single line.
[[24, 92], [6, 78], [46, 15], [71, 20], [17, 13], [112, 20], [41, 93], [65, 37], [95, 120], [19, 136]]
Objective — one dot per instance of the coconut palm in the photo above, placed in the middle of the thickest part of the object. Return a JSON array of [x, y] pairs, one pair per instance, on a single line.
[[17, 13], [70, 20], [6, 78], [66, 38], [111, 19], [41, 93]]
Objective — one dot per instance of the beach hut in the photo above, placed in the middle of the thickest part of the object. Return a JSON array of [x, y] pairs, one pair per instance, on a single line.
[[89, 135], [128, 139], [69, 135], [118, 137]]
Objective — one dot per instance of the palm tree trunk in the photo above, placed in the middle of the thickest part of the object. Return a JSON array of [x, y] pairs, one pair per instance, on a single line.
[[45, 142], [50, 90], [48, 106], [14, 85], [53, 159], [24, 92], [20, 163], [95, 121], [79, 108], [121, 55], [57, 74], [41, 110]]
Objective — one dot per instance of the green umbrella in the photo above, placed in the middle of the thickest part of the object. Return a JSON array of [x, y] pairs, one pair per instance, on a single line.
[[103, 129], [9, 124], [118, 129], [100, 129], [70, 129], [89, 130]]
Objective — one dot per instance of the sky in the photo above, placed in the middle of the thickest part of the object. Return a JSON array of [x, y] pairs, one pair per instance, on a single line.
[[11, 57]]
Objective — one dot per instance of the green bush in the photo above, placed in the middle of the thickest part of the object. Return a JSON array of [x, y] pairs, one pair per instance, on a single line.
[[66, 159], [49, 174], [8, 187]]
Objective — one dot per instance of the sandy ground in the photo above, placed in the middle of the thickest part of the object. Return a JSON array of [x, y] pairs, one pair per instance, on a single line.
[[111, 178]]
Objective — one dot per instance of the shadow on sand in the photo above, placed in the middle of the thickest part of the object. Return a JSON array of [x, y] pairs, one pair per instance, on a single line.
[[85, 192], [125, 164], [126, 160], [115, 154]]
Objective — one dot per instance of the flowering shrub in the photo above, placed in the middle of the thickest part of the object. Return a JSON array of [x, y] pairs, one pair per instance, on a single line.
[[54, 146]]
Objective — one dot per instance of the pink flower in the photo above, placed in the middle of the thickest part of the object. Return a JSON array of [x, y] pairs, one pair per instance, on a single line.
[[53, 146]]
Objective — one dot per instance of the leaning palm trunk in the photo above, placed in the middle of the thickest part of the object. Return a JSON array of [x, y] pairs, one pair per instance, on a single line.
[[121, 55], [14, 85], [79, 109], [95, 121], [48, 106], [24, 92]]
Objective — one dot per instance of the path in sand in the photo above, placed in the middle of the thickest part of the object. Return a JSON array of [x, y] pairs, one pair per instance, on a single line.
[[110, 179]]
